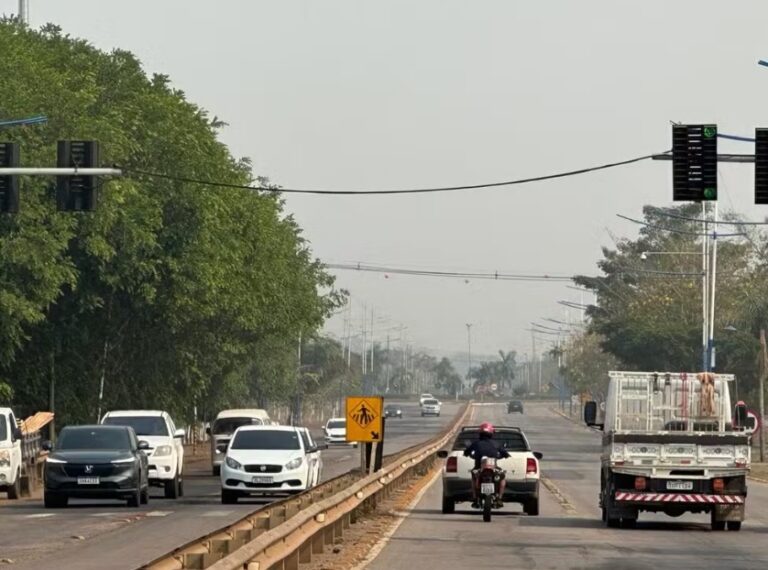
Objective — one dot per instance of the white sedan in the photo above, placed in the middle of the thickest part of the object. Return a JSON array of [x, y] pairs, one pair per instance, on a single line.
[[268, 460]]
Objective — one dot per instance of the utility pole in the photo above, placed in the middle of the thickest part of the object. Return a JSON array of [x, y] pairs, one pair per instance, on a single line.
[[469, 355], [763, 372], [24, 11]]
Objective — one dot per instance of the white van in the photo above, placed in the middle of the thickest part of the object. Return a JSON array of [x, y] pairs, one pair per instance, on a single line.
[[10, 454], [224, 426]]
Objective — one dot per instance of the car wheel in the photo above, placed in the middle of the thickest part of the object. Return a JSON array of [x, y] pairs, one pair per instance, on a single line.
[[216, 470], [14, 492], [449, 506], [734, 525], [531, 507], [144, 496], [181, 486], [172, 488], [134, 500], [228, 497], [55, 501]]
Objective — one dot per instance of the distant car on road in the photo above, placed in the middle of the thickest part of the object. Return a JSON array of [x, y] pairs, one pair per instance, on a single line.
[[336, 431], [269, 460], [166, 446], [515, 406], [393, 411], [522, 469], [225, 424], [431, 407], [96, 462], [424, 397]]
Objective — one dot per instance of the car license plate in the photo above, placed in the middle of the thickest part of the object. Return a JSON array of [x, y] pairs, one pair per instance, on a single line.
[[487, 489], [680, 485], [87, 480], [262, 480]]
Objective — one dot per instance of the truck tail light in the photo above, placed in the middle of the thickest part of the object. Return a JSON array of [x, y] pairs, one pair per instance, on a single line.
[[530, 467], [640, 483], [451, 465], [718, 485]]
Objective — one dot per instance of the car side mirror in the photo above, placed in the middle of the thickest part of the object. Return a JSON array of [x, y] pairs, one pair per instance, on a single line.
[[538, 455], [17, 433], [321, 446], [740, 415], [208, 430], [143, 446], [442, 454], [180, 433], [590, 415], [47, 445]]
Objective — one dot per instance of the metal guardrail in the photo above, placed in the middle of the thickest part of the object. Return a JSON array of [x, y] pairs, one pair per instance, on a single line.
[[288, 532]]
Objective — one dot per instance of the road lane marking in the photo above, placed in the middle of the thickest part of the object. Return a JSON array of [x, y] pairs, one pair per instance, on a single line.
[[40, 516], [158, 513], [106, 514], [387, 536], [558, 495], [217, 513]]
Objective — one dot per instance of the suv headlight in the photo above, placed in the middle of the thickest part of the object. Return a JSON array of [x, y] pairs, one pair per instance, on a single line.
[[232, 464], [293, 464], [163, 450], [5, 458]]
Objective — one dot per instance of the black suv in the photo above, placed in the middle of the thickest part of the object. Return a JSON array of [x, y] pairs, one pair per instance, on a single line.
[[96, 462], [515, 406]]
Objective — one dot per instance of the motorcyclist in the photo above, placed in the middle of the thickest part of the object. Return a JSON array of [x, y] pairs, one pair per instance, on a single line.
[[485, 446]]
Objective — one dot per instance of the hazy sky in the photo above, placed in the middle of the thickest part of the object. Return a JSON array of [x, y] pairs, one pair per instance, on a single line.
[[359, 94]]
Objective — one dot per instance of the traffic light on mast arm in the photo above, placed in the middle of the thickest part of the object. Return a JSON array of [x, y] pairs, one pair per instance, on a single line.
[[694, 162], [9, 184], [77, 193], [761, 166]]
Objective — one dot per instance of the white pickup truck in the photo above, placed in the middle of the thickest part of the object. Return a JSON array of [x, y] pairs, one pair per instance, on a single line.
[[10, 454], [522, 469], [671, 445]]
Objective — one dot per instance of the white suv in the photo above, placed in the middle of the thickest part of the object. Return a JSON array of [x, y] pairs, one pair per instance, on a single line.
[[10, 454], [269, 459], [431, 407], [166, 446]]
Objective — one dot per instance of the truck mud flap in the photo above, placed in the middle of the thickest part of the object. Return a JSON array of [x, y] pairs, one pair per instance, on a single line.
[[729, 512]]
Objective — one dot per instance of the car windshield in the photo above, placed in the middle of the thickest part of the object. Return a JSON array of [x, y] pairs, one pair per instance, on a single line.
[[3, 427], [391, 408], [94, 438], [337, 424], [509, 440], [431, 402], [266, 439], [142, 425], [227, 426]]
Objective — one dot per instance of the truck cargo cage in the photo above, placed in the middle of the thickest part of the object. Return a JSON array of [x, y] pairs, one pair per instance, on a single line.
[[672, 401]]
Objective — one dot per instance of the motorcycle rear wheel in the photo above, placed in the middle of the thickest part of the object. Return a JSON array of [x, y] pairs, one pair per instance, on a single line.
[[487, 506]]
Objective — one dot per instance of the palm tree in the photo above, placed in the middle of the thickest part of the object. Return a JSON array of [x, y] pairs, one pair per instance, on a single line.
[[507, 367]]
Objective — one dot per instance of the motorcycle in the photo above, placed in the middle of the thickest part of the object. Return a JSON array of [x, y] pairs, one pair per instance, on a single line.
[[488, 477]]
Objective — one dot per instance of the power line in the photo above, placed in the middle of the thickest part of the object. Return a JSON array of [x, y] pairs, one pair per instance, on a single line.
[[675, 231], [496, 276], [568, 173], [700, 221], [36, 120]]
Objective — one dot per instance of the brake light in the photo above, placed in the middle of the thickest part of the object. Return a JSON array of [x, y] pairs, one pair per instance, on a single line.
[[451, 466], [640, 483], [718, 485], [531, 467]]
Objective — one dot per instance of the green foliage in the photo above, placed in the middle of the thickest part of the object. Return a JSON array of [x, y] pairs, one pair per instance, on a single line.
[[176, 294], [500, 372]]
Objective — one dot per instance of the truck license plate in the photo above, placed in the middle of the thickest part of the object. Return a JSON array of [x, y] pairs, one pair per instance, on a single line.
[[87, 480], [487, 488], [680, 485], [262, 480]]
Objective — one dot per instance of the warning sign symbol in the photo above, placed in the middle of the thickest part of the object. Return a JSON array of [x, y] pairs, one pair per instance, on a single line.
[[363, 414]]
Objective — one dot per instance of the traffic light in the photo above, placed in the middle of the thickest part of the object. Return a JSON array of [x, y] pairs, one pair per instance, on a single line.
[[9, 184], [761, 166], [694, 162], [77, 193]]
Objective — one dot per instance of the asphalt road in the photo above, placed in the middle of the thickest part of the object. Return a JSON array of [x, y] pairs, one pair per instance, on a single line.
[[561, 538], [99, 535]]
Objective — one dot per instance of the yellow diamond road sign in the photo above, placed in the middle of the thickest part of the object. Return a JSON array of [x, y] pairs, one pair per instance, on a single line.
[[364, 418]]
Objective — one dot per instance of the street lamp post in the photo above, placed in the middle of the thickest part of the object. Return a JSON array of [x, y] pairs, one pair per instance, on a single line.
[[469, 353]]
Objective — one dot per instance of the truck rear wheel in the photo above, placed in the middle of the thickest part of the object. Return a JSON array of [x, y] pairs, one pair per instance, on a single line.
[[716, 524], [734, 525], [449, 506]]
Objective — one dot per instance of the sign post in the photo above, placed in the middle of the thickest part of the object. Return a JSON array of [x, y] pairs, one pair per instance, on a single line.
[[365, 424]]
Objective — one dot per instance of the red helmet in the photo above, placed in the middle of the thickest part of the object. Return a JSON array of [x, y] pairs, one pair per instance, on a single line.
[[487, 427]]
